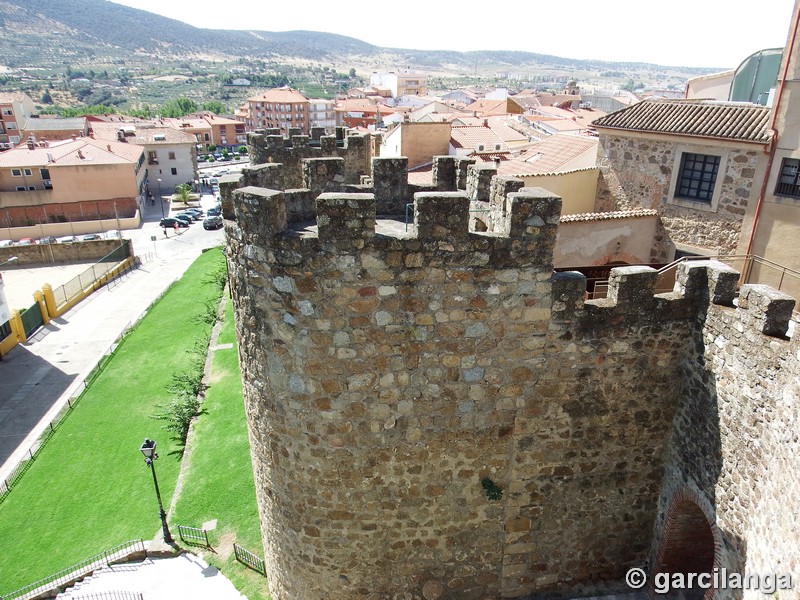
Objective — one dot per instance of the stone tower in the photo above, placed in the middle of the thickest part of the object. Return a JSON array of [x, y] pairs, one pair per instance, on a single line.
[[434, 413]]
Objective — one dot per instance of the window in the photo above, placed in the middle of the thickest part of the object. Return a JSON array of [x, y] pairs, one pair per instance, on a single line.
[[45, 173], [789, 178], [28, 172], [172, 156], [697, 177], [11, 126], [174, 171], [16, 172], [21, 188], [152, 157], [7, 112]]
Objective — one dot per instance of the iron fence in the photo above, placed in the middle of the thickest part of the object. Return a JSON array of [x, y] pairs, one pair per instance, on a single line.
[[108, 596], [194, 536], [66, 292], [249, 559], [77, 571]]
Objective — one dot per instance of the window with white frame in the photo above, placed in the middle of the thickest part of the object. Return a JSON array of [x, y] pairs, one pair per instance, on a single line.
[[789, 178], [16, 172]]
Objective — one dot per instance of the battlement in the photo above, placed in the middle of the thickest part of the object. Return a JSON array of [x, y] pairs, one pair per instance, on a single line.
[[439, 233]]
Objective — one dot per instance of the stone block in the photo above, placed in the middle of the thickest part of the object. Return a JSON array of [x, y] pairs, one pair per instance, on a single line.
[[441, 215], [770, 308]]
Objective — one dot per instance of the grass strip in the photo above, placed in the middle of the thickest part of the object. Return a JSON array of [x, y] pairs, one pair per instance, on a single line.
[[89, 489]]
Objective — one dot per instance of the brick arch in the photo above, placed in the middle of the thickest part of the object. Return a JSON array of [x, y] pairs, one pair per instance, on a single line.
[[691, 542], [617, 258]]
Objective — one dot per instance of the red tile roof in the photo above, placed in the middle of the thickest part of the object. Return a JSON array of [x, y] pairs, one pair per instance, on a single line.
[[83, 151], [636, 213], [279, 95], [738, 121]]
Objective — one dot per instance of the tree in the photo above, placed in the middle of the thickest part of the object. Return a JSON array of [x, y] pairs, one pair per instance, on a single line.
[[183, 193], [242, 149], [352, 73], [215, 106], [178, 107], [46, 98]]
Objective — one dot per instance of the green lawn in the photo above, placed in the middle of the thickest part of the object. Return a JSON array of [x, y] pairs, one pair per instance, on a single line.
[[218, 483], [90, 489]]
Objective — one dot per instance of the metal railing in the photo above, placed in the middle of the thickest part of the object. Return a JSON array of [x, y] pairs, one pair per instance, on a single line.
[[194, 536], [753, 269], [108, 596], [248, 559], [77, 571], [66, 292]]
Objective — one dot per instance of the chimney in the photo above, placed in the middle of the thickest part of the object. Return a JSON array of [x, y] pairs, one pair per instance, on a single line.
[[50, 158], [80, 154], [31, 143], [108, 146]]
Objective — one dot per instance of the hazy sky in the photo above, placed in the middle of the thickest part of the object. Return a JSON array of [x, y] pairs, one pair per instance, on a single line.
[[697, 33]]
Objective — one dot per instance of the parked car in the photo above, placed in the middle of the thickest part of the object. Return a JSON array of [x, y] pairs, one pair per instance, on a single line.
[[171, 221], [67, 239], [26, 242], [6, 243], [113, 234], [186, 216], [90, 237], [194, 211], [48, 239], [215, 211], [212, 222]]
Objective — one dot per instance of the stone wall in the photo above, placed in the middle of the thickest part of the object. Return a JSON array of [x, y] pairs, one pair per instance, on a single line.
[[435, 414], [636, 173], [268, 146], [734, 449], [36, 254]]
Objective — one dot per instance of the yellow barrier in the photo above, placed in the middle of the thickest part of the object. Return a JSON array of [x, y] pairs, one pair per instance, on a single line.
[[39, 297], [17, 328], [7, 344]]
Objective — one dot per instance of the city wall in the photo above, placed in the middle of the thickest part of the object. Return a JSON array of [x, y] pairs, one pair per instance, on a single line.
[[434, 413]]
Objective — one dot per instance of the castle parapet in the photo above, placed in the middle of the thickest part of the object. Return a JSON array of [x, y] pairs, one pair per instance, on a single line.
[[444, 173], [632, 286], [323, 174], [346, 218], [769, 309], [707, 280], [267, 175], [441, 215], [260, 211]]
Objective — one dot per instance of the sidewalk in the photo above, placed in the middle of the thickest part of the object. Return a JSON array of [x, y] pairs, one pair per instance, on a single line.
[[37, 379]]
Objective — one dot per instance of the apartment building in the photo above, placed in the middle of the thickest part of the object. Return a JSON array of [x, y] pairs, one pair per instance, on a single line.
[[401, 83], [15, 109], [322, 113], [70, 180], [283, 108]]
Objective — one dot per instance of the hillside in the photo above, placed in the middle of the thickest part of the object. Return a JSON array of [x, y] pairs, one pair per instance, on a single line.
[[48, 32]]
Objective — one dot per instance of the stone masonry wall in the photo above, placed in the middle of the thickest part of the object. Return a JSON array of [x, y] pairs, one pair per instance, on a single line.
[[637, 173], [266, 146], [435, 414], [734, 446]]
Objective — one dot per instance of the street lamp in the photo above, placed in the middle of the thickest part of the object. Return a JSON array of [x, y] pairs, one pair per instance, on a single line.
[[160, 198], [10, 260], [149, 450]]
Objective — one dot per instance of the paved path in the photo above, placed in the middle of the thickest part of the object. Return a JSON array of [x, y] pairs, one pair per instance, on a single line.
[[186, 577]]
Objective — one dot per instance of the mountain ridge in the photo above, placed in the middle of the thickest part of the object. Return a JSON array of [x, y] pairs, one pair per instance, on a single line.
[[85, 21]]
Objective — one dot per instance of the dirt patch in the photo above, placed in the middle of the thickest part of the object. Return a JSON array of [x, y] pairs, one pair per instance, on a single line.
[[225, 545]]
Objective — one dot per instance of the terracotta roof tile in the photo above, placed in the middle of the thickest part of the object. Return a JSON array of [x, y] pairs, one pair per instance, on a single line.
[[83, 151], [605, 216], [279, 95], [697, 118]]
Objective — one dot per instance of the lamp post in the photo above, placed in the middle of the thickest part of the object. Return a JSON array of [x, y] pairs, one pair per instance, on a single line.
[[149, 450], [10, 260], [160, 198]]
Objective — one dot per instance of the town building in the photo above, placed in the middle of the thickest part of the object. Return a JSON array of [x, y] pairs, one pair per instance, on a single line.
[[53, 128], [68, 181], [278, 108], [404, 82], [322, 113], [171, 155], [15, 109]]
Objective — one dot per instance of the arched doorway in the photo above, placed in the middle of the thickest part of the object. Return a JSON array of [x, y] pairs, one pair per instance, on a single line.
[[689, 546]]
